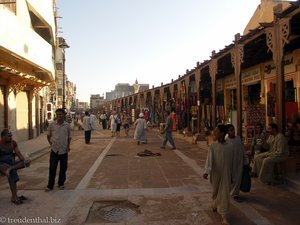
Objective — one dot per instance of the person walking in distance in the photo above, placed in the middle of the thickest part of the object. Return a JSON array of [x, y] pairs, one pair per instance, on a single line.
[[219, 165], [140, 126], [103, 118], [59, 138], [168, 133], [125, 122], [87, 126], [113, 123]]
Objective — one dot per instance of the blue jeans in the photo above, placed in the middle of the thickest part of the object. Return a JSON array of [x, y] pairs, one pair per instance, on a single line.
[[168, 137]]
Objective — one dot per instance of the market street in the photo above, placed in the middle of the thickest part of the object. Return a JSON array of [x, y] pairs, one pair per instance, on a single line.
[[107, 183]]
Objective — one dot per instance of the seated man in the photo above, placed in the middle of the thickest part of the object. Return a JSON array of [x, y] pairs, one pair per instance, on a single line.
[[264, 162], [259, 142], [8, 165]]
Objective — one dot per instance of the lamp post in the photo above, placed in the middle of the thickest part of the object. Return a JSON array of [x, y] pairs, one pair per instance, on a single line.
[[63, 45]]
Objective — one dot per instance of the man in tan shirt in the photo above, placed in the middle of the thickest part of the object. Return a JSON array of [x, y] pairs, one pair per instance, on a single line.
[[59, 138]]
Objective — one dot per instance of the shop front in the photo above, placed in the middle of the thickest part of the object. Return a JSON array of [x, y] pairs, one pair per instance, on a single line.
[[230, 97], [254, 109], [291, 85]]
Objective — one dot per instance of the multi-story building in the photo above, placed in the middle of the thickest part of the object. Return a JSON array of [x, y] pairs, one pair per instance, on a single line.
[[83, 106], [96, 101], [125, 89], [70, 96], [110, 95], [27, 46]]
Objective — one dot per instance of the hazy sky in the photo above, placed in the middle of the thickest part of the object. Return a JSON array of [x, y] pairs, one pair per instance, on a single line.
[[153, 41]]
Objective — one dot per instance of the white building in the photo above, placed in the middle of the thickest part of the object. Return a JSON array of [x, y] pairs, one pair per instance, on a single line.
[[27, 46]]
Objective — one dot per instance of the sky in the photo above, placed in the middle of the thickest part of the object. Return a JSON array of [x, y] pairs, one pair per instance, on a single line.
[[153, 41]]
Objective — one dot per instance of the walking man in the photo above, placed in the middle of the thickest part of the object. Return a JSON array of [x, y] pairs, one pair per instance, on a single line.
[[87, 126], [59, 138], [168, 131], [103, 118], [218, 165], [239, 160]]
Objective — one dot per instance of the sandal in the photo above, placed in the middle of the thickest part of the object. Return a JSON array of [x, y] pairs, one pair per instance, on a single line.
[[17, 201], [22, 198]]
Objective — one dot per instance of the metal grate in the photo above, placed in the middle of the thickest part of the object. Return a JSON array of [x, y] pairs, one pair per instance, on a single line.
[[112, 211], [116, 213]]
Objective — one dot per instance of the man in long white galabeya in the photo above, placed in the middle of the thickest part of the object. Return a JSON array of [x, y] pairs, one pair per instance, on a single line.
[[140, 126], [239, 160], [219, 166]]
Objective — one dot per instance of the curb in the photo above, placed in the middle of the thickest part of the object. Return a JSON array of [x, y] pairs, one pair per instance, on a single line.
[[39, 153]]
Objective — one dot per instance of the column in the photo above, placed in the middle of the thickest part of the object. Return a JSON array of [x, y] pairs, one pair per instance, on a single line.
[[213, 72], [237, 54], [277, 37]]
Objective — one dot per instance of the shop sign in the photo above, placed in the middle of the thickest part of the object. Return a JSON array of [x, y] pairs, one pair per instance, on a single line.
[[230, 82], [250, 76], [289, 67], [219, 85]]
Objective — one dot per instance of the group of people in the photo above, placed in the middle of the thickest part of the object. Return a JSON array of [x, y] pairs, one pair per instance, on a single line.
[[225, 161], [117, 120], [140, 126], [227, 158], [59, 138]]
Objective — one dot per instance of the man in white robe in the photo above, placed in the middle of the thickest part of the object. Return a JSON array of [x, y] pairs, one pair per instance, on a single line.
[[219, 165], [239, 160]]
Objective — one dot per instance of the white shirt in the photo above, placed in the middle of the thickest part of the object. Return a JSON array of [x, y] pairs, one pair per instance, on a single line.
[[87, 123]]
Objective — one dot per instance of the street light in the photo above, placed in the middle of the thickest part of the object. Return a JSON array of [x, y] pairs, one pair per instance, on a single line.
[[63, 45]]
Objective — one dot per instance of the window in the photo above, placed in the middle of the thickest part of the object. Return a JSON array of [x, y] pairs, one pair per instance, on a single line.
[[10, 4]]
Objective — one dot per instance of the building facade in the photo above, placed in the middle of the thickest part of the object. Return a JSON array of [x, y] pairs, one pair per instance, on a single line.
[[96, 101], [125, 89], [27, 73]]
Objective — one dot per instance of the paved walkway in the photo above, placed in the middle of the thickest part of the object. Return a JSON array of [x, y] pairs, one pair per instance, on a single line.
[[167, 188]]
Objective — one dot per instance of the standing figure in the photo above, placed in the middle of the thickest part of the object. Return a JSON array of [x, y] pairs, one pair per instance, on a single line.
[[140, 126], [93, 120], [103, 119], [113, 123], [219, 164], [8, 166], [264, 162], [59, 138], [239, 160], [119, 124], [173, 117], [87, 126], [125, 122], [168, 133]]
